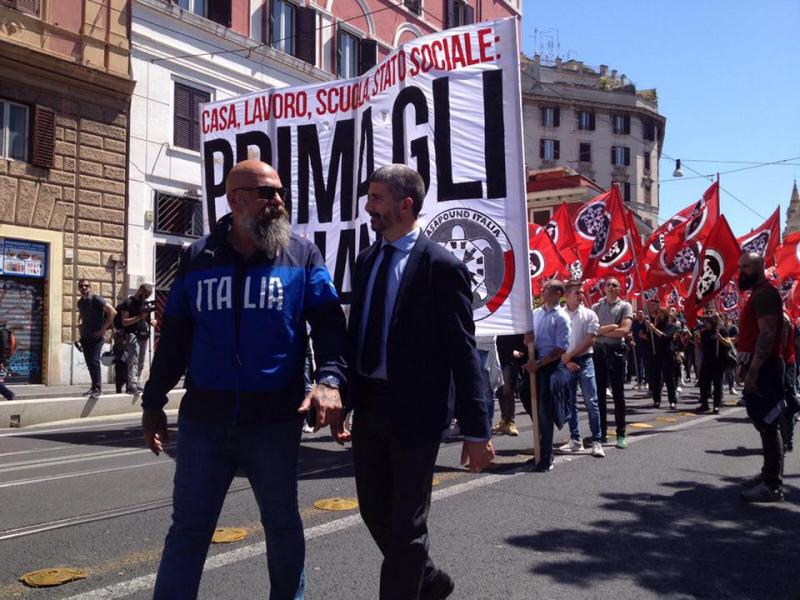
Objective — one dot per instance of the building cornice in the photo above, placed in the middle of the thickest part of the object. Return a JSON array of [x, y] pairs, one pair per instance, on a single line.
[[58, 75]]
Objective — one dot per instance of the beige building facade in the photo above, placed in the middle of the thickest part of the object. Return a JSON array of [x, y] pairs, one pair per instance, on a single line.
[[596, 123], [65, 90]]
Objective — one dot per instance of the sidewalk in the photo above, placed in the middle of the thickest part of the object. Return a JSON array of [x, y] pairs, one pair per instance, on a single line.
[[36, 404]]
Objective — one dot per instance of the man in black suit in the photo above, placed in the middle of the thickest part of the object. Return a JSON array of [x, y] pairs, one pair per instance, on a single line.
[[411, 333]]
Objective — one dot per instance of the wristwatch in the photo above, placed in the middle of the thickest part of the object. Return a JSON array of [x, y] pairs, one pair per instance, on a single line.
[[330, 381]]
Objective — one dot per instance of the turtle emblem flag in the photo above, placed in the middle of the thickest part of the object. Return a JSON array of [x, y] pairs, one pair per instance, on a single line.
[[716, 266], [449, 106]]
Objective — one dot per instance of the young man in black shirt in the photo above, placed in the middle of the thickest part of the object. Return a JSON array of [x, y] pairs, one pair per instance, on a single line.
[[136, 320], [95, 317]]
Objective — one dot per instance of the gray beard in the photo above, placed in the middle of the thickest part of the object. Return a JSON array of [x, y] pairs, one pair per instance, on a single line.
[[270, 235]]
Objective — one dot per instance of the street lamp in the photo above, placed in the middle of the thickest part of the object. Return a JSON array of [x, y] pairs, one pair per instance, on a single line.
[[677, 172]]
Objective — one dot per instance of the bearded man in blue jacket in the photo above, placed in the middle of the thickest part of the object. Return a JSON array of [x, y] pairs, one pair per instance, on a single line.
[[235, 323]]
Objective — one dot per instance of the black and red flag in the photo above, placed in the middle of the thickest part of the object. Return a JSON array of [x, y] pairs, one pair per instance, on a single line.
[[560, 229], [599, 225], [718, 262], [544, 259], [671, 252], [765, 239]]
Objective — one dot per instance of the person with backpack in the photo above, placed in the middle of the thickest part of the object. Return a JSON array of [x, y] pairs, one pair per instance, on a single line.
[[8, 345], [95, 317], [136, 318]]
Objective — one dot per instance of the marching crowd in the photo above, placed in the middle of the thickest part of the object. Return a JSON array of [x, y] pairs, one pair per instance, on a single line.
[[603, 347]]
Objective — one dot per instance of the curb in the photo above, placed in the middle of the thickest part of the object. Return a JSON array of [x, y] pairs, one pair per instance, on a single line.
[[24, 413]]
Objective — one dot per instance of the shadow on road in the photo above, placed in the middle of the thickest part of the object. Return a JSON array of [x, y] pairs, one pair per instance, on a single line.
[[698, 542]]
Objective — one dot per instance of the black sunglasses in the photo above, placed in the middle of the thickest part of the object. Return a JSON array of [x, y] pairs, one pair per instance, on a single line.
[[612, 285], [266, 192]]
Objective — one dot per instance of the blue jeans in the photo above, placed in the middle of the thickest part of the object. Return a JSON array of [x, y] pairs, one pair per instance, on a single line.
[[589, 388], [208, 456], [487, 385]]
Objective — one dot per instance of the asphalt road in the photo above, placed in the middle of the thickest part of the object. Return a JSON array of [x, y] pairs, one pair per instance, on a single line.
[[661, 519]]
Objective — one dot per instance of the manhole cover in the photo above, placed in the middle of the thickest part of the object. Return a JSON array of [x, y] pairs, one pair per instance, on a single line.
[[52, 577], [336, 504], [226, 535]]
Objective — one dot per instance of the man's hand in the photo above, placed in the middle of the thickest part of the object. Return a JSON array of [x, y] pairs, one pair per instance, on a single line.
[[573, 367], [327, 402], [477, 455], [530, 366], [566, 357], [154, 428], [339, 431]]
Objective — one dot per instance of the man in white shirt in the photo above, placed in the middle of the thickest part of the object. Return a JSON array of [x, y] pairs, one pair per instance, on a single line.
[[578, 367]]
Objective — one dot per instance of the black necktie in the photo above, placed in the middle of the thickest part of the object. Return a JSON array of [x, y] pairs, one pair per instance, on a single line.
[[371, 350]]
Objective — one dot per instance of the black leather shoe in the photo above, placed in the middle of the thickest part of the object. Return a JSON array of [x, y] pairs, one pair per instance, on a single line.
[[439, 588]]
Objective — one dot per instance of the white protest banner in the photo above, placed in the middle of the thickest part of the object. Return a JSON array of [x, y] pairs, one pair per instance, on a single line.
[[446, 104]]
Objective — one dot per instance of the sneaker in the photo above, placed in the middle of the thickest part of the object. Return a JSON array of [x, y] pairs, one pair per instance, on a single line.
[[622, 442], [762, 493], [307, 428], [511, 429], [753, 481], [679, 390], [571, 446], [673, 405], [95, 394], [734, 392], [604, 439], [454, 430], [597, 450], [716, 410], [500, 428], [543, 467], [88, 392]]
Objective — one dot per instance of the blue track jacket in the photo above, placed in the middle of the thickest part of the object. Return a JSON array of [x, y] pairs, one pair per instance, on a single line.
[[237, 328]]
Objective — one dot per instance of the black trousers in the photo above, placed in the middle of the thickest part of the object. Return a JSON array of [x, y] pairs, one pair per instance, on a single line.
[[765, 407], [393, 482], [92, 348], [664, 372], [609, 369], [711, 372]]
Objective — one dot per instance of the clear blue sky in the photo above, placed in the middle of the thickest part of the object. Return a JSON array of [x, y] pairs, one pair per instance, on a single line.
[[728, 79]]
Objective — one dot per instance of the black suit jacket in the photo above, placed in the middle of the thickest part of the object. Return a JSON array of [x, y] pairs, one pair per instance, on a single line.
[[431, 344]]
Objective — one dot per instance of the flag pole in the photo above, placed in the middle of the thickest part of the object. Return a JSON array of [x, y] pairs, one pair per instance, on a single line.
[[537, 441], [641, 287]]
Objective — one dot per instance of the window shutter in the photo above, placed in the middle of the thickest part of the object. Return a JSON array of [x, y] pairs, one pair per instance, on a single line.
[[306, 39], [44, 137], [613, 154], [271, 23], [544, 113], [591, 121], [469, 15], [449, 13], [541, 148], [29, 6], [182, 112], [367, 55], [219, 11], [627, 157], [556, 116], [198, 97], [626, 124], [556, 150]]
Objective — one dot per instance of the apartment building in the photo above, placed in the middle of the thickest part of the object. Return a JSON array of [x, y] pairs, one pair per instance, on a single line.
[[65, 90], [595, 122]]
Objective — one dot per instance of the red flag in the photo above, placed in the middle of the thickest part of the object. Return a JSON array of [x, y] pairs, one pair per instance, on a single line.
[[594, 290], [718, 262], [603, 221], [698, 219], [787, 257], [544, 259], [793, 302], [560, 228], [765, 239]]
